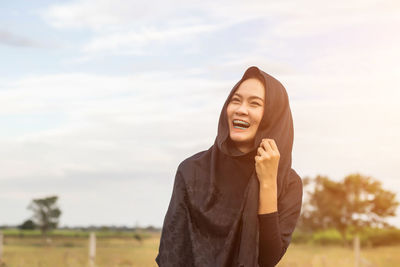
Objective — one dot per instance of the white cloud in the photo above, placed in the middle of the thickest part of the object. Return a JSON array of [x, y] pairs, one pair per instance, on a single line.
[[66, 92], [136, 27], [134, 43], [12, 39], [298, 16], [119, 121]]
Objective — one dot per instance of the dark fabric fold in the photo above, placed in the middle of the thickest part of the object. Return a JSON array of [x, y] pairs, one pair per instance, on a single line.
[[212, 218]]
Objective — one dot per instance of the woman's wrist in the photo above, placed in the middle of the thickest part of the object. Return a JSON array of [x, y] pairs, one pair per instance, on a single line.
[[269, 208], [268, 201], [268, 186]]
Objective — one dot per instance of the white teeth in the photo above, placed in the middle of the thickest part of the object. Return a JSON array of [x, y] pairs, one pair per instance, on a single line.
[[241, 122]]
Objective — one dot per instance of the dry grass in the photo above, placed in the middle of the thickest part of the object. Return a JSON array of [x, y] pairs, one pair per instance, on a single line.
[[73, 252], [334, 256]]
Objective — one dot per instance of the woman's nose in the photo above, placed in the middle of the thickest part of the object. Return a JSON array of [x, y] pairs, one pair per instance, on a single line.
[[242, 109]]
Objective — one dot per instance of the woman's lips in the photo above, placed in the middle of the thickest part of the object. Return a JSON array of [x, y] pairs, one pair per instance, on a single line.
[[240, 125], [239, 128]]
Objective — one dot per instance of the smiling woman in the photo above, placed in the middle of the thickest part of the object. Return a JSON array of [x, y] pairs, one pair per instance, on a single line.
[[237, 203]]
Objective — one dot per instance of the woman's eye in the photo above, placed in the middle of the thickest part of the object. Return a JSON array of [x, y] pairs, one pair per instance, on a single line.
[[235, 100], [255, 103]]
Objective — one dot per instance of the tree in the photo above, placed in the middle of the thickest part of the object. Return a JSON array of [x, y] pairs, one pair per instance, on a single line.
[[354, 203], [27, 225], [46, 213]]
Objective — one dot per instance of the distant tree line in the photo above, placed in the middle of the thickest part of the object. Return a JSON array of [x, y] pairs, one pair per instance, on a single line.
[[46, 215], [350, 206]]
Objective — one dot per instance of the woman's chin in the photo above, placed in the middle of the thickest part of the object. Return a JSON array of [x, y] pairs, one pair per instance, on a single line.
[[240, 139]]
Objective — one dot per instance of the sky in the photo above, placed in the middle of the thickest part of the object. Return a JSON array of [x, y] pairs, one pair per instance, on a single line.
[[101, 100]]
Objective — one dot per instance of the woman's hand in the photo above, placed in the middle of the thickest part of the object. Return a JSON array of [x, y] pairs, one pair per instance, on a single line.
[[267, 162]]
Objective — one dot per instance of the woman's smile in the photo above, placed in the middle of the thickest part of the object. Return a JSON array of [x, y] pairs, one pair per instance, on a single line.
[[240, 124]]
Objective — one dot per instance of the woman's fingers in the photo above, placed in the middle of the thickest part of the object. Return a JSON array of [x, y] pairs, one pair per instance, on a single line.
[[273, 144], [267, 149], [266, 145], [270, 148], [261, 152]]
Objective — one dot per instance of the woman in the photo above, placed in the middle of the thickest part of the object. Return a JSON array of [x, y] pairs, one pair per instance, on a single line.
[[237, 203]]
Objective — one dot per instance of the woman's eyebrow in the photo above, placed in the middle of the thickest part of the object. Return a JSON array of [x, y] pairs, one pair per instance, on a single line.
[[251, 97]]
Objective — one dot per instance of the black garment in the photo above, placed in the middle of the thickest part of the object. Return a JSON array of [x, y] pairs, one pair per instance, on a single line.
[[212, 218], [271, 247]]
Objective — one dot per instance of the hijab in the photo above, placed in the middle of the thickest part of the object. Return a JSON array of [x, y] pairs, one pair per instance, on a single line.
[[212, 217]]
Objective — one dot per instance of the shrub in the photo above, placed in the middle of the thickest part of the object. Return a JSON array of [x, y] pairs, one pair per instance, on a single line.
[[327, 237], [301, 237]]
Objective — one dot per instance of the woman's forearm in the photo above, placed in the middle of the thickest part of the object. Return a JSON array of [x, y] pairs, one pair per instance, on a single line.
[[268, 201]]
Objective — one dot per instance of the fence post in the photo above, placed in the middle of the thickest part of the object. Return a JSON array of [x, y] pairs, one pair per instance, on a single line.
[[1, 247], [356, 251], [92, 248]]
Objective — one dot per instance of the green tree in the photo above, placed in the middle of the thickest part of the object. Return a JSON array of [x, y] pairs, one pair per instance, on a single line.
[[27, 225], [355, 202], [45, 213]]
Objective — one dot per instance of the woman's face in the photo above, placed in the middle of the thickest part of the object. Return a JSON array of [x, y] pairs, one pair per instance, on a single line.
[[245, 111]]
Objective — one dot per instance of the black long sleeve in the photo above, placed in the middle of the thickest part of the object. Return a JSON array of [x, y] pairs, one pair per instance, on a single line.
[[271, 246], [276, 228]]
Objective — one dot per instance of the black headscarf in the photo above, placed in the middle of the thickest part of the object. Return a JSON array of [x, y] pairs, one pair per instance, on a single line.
[[212, 218]]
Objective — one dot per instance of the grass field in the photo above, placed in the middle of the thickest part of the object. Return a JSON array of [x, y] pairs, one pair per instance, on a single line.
[[69, 250]]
